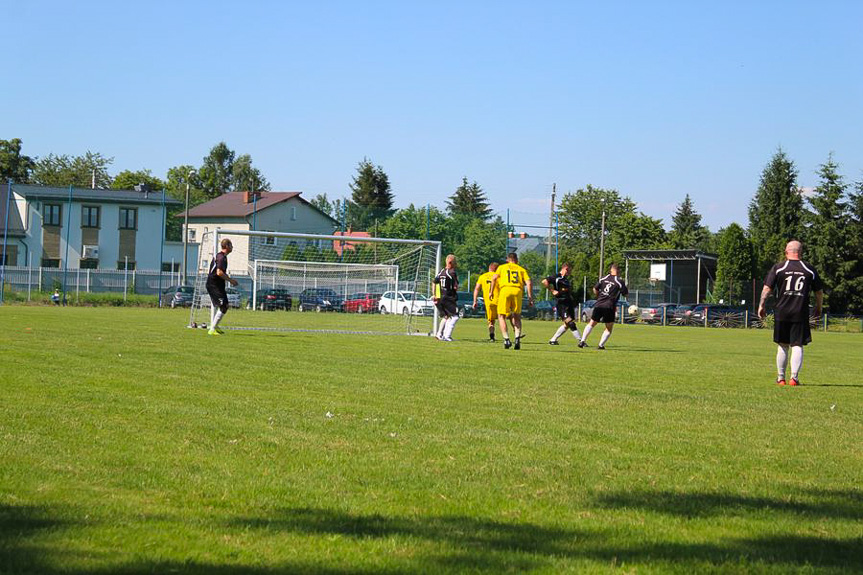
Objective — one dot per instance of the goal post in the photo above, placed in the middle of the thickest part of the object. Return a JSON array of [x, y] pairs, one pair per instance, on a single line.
[[351, 284]]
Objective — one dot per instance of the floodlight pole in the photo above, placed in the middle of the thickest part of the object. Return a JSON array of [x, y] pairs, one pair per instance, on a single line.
[[602, 242], [186, 228]]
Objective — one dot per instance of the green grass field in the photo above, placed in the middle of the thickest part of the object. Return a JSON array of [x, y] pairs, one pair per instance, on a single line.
[[130, 444]]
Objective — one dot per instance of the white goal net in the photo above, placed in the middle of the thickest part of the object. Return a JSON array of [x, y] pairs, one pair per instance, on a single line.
[[306, 282]]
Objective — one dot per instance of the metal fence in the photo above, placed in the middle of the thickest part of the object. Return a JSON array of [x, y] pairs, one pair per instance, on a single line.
[[31, 281]]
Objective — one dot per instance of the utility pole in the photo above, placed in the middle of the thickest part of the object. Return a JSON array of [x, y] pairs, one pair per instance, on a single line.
[[550, 228], [602, 242]]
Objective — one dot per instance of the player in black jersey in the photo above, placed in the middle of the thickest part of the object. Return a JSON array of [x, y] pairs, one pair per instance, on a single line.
[[561, 288], [216, 286], [446, 298], [793, 280], [608, 289]]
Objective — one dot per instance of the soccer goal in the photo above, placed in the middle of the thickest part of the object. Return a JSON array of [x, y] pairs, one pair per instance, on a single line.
[[309, 282]]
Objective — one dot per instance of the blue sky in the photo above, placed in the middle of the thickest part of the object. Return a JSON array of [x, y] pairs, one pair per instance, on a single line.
[[654, 99]]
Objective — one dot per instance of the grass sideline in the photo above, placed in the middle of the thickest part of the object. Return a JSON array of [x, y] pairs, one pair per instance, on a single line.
[[131, 444]]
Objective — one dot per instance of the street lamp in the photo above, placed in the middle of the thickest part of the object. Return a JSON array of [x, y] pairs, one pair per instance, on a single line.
[[602, 242], [186, 228]]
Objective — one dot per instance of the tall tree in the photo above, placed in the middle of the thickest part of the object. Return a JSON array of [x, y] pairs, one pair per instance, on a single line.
[[127, 180], [217, 171], [371, 198], [469, 199], [826, 237], [79, 171], [686, 230], [775, 212], [734, 266], [14, 165], [476, 244], [581, 216], [851, 280], [247, 178], [412, 222]]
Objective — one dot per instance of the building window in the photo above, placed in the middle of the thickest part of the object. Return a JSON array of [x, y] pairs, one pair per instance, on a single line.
[[51, 215], [121, 265], [293, 212], [50, 262], [192, 234], [88, 264], [269, 240], [128, 218], [170, 266], [90, 216]]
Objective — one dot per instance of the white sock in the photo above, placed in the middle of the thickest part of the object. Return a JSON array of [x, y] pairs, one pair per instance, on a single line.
[[212, 315], [796, 360], [558, 333], [605, 335], [587, 329], [575, 334], [450, 324], [218, 317], [517, 332], [781, 360], [441, 326]]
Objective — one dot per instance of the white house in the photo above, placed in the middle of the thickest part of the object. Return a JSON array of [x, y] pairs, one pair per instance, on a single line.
[[87, 228], [269, 211]]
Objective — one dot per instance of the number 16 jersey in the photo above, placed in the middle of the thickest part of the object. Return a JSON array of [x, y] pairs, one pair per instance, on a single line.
[[792, 282]]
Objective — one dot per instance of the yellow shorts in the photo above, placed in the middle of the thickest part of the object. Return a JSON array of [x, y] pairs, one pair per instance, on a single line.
[[509, 300], [491, 310]]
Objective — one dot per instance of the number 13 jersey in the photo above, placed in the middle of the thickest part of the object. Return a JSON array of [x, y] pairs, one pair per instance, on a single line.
[[792, 282]]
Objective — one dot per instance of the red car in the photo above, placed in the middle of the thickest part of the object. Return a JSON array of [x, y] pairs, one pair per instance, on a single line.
[[362, 302]]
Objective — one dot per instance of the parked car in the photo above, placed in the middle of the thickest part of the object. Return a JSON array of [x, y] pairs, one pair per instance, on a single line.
[[465, 305], [682, 313], [718, 314], [587, 308], [655, 313], [273, 299], [234, 296], [178, 296], [362, 302], [319, 299], [406, 303], [543, 309]]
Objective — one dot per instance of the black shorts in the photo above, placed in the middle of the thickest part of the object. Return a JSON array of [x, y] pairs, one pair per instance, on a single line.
[[603, 314], [447, 307], [218, 296], [565, 310], [794, 333]]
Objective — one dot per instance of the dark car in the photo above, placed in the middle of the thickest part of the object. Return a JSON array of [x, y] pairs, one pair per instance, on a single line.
[[587, 309], [542, 309], [320, 299], [178, 296], [362, 302], [465, 305], [273, 299], [682, 313], [655, 313], [718, 315]]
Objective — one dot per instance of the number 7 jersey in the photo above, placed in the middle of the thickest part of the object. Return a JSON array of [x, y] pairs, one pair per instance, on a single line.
[[792, 282]]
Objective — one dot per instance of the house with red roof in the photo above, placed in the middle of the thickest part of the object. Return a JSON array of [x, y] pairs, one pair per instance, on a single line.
[[262, 211]]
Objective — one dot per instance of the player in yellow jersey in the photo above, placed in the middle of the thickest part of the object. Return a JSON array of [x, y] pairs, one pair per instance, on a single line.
[[488, 296], [512, 279]]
